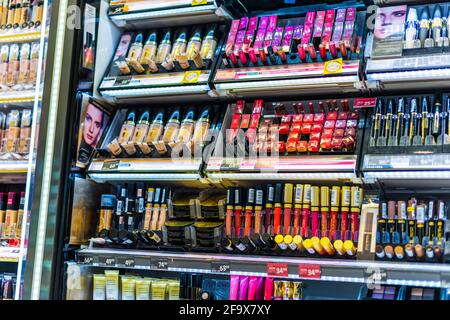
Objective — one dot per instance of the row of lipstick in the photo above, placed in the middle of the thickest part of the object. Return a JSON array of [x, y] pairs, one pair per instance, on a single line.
[[426, 32], [303, 210], [408, 122], [294, 245], [290, 132], [409, 252], [323, 31]]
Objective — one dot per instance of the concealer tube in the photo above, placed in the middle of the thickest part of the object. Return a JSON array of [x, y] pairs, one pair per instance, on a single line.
[[389, 252], [399, 252], [420, 253]]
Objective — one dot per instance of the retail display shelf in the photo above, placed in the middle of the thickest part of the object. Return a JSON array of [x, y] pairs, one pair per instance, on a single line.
[[407, 166], [167, 84], [14, 171], [17, 36], [422, 71], [18, 97], [150, 14], [145, 169], [9, 254], [324, 167], [286, 79], [359, 271]]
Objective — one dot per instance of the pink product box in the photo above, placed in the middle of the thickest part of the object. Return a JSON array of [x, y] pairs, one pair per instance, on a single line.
[[338, 29], [239, 41], [232, 35], [318, 26], [277, 38], [310, 16], [270, 30], [298, 32], [259, 39], [243, 23], [329, 16], [348, 30], [253, 23], [263, 23], [351, 14], [307, 31], [327, 31], [340, 15], [287, 39]]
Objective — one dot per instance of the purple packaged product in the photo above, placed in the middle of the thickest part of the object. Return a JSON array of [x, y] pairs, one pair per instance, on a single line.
[[340, 15], [351, 14], [232, 35], [253, 23], [234, 287], [287, 38], [259, 39], [263, 23], [259, 289], [348, 31], [250, 35], [310, 17], [243, 23], [298, 33], [239, 42], [338, 29], [307, 30], [318, 26], [243, 288], [252, 288], [270, 30], [276, 43]]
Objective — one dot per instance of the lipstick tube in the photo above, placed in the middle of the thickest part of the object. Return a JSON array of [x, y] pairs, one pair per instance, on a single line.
[[349, 248], [309, 246], [232, 58], [333, 50], [258, 211], [262, 55], [326, 244], [298, 241], [270, 194], [249, 212], [288, 192], [312, 52], [335, 197], [339, 247], [301, 52], [237, 211], [253, 56], [229, 213], [356, 202], [298, 199], [315, 192], [323, 52], [305, 210], [345, 234], [343, 49], [324, 209], [243, 57], [277, 209], [318, 246]]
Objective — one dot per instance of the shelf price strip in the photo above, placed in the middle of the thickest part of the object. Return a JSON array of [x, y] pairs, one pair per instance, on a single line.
[[309, 271], [277, 269], [220, 267]]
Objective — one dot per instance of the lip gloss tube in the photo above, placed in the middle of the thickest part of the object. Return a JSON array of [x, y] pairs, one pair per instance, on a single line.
[[277, 209], [288, 192], [315, 192], [232, 58], [343, 49], [333, 50], [229, 213], [298, 198], [356, 202], [324, 208], [253, 56], [318, 246], [262, 55], [237, 211], [344, 213], [301, 52], [282, 55], [305, 210], [249, 211], [322, 52], [335, 197], [312, 52], [258, 211], [269, 209], [243, 57]]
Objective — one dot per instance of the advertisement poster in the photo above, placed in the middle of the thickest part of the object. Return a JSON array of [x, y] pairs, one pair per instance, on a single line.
[[89, 37], [389, 31], [94, 121]]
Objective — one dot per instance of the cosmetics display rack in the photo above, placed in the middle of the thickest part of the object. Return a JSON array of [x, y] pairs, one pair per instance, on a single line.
[[167, 13], [432, 275]]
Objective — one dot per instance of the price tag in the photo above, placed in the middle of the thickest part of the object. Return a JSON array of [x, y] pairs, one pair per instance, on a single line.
[[218, 267], [111, 165], [159, 264], [191, 76], [199, 2], [122, 81], [87, 260], [333, 66], [126, 262], [277, 269], [309, 271], [363, 103], [108, 261]]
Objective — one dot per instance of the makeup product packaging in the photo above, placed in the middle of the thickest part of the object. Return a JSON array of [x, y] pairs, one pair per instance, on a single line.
[[259, 39], [164, 48], [4, 58], [270, 33], [248, 225], [24, 68], [106, 212], [287, 212], [350, 19], [412, 28], [143, 289], [287, 39], [268, 288], [269, 210], [425, 28], [315, 202], [13, 65], [328, 28], [345, 207], [234, 287], [148, 56], [34, 63], [238, 201], [25, 132], [229, 213], [11, 215], [258, 219], [232, 36], [338, 25], [318, 28], [325, 211], [250, 34], [356, 202], [135, 53], [243, 288], [99, 289], [173, 289], [112, 284], [305, 228], [209, 44], [159, 290], [298, 200], [277, 209], [128, 288]]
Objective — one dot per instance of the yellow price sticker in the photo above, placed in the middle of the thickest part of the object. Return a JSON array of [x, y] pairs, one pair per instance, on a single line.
[[333, 66], [191, 76], [199, 2]]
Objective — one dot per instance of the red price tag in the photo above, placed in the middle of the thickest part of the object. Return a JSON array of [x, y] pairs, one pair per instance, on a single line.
[[277, 269], [309, 271], [362, 103]]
